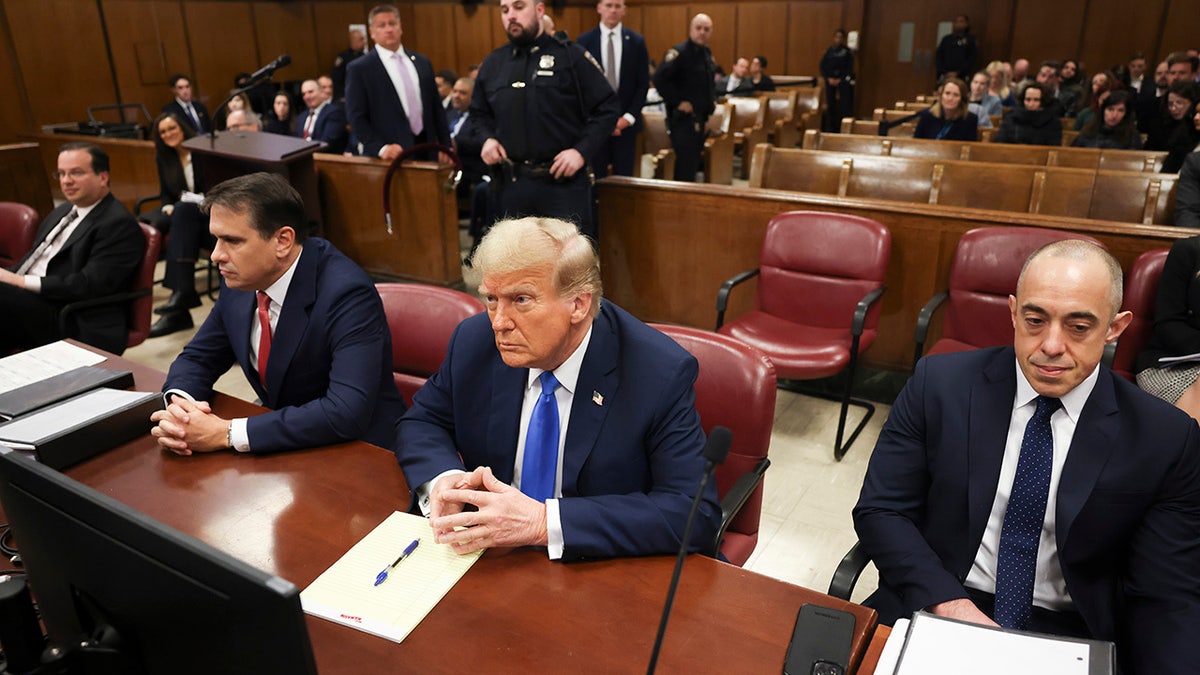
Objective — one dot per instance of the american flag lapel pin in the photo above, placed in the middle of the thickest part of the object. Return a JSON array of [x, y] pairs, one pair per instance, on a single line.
[[598, 398]]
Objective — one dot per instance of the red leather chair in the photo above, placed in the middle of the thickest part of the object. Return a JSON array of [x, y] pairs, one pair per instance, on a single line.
[[735, 389], [1141, 295], [987, 262], [815, 310], [18, 225], [421, 319], [140, 294]]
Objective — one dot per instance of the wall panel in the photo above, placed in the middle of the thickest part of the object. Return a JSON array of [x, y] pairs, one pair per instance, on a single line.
[[14, 116], [478, 30], [431, 32], [223, 44], [287, 28], [1179, 30], [810, 27], [1107, 42], [665, 26], [758, 32], [149, 43], [1039, 32], [332, 20]]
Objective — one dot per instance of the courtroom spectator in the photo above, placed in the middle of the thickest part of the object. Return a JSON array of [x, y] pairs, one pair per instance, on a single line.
[[1120, 74], [1150, 100], [326, 84], [553, 377], [989, 104], [87, 247], [1137, 71], [473, 71], [1020, 72], [621, 53], [240, 101], [837, 70], [999, 84], [281, 119], [758, 74], [1101, 85], [1113, 126], [186, 106], [179, 216], [391, 97], [445, 80], [1072, 77], [303, 321], [1178, 135], [357, 48], [948, 119], [958, 52], [1030, 487], [322, 120], [685, 80], [1180, 66], [1029, 122], [468, 148], [1061, 101], [1176, 330], [243, 120], [737, 83]]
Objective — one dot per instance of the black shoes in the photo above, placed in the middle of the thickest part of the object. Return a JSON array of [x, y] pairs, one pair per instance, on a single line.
[[180, 301], [171, 323]]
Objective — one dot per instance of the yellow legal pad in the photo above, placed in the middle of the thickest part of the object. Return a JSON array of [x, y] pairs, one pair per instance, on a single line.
[[346, 592]]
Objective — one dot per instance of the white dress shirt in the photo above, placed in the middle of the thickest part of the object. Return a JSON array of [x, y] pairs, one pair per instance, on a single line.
[[33, 277], [392, 65], [1049, 586], [310, 124], [618, 45]]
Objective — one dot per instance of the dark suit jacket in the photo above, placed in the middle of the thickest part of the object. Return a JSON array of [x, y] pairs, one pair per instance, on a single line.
[[1127, 515], [634, 78], [329, 377], [330, 127], [376, 115], [100, 258], [201, 112], [632, 459]]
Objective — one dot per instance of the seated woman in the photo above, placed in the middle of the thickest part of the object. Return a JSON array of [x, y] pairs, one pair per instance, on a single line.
[[1176, 331], [1178, 136], [1032, 122], [280, 118], [759, 78], [948, 119], [983, 104], [1113, 126], [239, 102], [1102, 84], [999, 83], [181, 218]]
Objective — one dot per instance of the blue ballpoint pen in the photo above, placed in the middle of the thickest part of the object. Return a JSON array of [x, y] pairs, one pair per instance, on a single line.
[[407, 552]]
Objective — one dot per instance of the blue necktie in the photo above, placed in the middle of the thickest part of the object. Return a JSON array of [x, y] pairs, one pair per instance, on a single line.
[[540, 463], [1023, 520]]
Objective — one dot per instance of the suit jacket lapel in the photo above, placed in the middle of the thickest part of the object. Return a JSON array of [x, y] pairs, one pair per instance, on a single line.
[[504, 420], [598, 374], [86, 224], [990, 413], [240, 310], [1090, 449], [293, 319], [381, 74]]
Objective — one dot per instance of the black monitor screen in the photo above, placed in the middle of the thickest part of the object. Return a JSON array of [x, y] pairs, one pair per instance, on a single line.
[[173, 604]]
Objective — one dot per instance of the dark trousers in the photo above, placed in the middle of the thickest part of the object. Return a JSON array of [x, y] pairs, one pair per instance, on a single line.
[[839, 103], [189, 231], [687, 138], [569, 199], [33, 320], [620, 151]]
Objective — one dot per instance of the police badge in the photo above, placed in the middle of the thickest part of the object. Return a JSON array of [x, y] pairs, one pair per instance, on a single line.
[[546, 62]]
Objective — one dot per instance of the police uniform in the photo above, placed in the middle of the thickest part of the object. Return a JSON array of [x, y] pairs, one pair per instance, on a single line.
[[686, 74], [338, 75], [838, 64], [538, 100]]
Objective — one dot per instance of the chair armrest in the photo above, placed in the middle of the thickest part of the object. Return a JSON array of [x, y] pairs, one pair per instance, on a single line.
[[923, 319], [71, 308], [723, 293], [1110, 353], [137, 206], [860, 310], [848, 571], [736, 498]]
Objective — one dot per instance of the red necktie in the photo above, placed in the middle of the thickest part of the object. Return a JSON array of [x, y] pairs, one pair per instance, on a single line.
[[264, 338]]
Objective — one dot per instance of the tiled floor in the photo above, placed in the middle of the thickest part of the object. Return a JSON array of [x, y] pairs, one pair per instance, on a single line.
[[806, 526]]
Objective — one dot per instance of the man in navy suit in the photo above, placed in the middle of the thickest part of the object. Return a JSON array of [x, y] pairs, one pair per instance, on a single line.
[[186, 107], [391, 97], [623, 55], [322, 120], [1117, 540], [613, 468], [304, 322]]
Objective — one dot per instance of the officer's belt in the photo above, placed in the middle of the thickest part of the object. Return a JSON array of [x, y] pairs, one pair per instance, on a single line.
[[528, 168]]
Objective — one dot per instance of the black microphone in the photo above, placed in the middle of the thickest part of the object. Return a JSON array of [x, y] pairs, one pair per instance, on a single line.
[[715, 451], [270, 68]]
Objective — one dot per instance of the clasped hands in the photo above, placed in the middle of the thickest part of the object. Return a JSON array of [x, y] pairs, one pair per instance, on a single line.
[[504, 516], [189, 426]]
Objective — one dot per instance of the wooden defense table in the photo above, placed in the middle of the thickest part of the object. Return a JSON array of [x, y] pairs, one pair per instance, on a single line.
[[294, 514]]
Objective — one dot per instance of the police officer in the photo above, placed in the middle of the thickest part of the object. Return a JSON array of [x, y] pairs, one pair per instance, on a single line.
[[358, 47], [685, 81], [541, 105], [837, 69]]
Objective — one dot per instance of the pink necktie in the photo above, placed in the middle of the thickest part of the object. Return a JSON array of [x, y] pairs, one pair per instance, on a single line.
[[412, 101], [264, 337]]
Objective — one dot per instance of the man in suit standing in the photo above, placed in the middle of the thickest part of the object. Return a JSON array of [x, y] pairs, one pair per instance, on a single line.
[[623, 55], [1030, 487], [567, 424], [302, 320], [322, 120], [88, 247], [391, 97], [191, 110]]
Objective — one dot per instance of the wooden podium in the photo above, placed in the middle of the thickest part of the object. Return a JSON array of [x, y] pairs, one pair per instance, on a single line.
[[228, 154]]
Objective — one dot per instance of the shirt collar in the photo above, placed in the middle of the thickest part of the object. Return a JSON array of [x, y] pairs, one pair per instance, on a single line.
[[605, 30], [385, 53], [182, 104], [568, 373], [1072, 402], [278, 290]]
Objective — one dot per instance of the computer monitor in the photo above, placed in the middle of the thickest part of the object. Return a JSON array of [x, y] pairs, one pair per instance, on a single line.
[[165, 601]]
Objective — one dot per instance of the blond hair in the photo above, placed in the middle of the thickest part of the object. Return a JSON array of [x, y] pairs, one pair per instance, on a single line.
[[530, 243]]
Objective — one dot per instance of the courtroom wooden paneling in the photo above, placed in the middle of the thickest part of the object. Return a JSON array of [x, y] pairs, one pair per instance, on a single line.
[[133, 174], [25, 178], [431, 32], [1178, 29], [149, 44], [1105, 43], [1040, 33], [810, 27], [664, 26], [668, 246], [14, 108], [479, 32], [286, 28], [223, 44], [332, 20], [758, 33]]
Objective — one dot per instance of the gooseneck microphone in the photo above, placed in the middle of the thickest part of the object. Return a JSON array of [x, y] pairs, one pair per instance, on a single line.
[[270, 68], [715, 451]]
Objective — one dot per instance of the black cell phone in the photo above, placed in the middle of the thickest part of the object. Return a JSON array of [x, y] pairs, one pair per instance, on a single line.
[[820, 642]]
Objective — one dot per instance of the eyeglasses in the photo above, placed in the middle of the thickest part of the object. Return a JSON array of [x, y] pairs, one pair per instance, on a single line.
[[73, 173]]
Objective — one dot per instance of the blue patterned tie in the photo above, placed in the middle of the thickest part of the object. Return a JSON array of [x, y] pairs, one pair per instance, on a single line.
[[1023, 520], [540, 464]]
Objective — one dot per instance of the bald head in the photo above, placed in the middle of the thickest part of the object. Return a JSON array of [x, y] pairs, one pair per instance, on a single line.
[[700, 29], [1054, 253]]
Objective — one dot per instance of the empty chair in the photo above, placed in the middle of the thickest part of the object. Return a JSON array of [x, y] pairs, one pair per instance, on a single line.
[[735, 389], [421, 319], [815, 310], [984, 272], [18, 224]]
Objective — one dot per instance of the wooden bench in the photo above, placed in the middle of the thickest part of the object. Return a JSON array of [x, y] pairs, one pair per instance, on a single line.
[[717, 155], [871, 128], [779, 118], [656, 147], [1060, 191], [1005, 153], [704, 234]]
